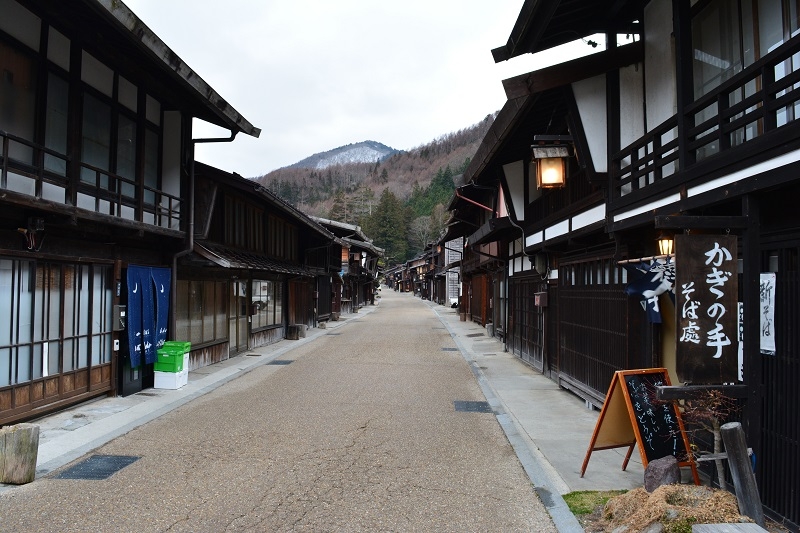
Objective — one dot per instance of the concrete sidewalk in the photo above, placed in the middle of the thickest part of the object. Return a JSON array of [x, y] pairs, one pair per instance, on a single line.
[[551, 423], [548, 427]]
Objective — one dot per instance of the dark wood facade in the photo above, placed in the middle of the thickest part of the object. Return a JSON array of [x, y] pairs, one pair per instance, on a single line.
[[689, 129], [356, 283], [98, 179], [253, 271], [95, 168]]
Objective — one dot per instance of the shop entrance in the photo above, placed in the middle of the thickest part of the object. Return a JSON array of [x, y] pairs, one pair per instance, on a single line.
[[238, 317]]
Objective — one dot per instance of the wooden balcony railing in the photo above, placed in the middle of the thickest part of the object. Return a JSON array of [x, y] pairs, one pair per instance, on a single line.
[[750, 108], [98, 190]]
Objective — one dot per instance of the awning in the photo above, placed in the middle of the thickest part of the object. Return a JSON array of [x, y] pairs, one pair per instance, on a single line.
[[456, 229], [493, 230], [363, 246], [230, 258]]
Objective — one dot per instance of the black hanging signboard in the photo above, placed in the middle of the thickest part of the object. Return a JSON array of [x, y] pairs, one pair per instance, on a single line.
[[631, 415], [706, 293]]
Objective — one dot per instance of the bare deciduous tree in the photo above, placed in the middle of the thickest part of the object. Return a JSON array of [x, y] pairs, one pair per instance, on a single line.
[[419, 232]]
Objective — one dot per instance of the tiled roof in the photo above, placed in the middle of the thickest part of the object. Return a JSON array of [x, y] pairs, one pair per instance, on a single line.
[[232, 258]]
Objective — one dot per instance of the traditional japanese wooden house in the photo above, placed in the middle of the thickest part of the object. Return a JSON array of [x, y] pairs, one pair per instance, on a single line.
[[437, 273], [475, 208], [452, 252], [417, 269], [444, 258], [96, 177], [393, 276], [687, 128], [258, 268], [359, 266]]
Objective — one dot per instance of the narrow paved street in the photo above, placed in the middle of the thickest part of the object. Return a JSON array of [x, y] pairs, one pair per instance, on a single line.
[[355, 431]]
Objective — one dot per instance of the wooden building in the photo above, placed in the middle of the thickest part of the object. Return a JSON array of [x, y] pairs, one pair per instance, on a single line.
[[112, 239], [258, 270], [393, 276], [685, 129], [357, 282], [443, 260], [475, 211]]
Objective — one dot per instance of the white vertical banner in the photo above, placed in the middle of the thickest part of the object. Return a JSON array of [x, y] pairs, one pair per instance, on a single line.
[[741, 340], [767, 312]]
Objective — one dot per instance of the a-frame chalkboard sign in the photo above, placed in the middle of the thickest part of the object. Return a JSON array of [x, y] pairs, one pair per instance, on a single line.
[[631, 415]]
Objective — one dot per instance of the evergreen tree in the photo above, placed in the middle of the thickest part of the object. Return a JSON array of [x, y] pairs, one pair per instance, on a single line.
[[362, 204], [422, 201], [338, 210], [388, 227], [439, 217]]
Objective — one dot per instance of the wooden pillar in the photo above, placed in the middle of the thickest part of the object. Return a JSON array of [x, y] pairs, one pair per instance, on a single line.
[[753, 371], [682, 30], [744, 480], [19, 449]]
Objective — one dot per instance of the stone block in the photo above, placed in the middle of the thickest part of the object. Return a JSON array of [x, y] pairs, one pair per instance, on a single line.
[[293, 332], [664, 471]]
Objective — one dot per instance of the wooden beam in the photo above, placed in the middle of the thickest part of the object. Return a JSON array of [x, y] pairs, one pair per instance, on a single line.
[[744, 480], [688, 392], [572, 71], [717, 456], [531, 23], [700, 222]]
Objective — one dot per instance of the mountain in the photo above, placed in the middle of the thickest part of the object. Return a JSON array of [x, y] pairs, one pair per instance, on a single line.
[[359, 173], [363, 152]]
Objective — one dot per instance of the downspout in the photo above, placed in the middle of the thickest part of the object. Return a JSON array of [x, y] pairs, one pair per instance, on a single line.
[[526, 254], [473, 202], [513, 223], [190, 230]]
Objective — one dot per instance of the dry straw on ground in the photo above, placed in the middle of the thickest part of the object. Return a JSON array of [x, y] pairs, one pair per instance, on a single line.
[[671, 505]]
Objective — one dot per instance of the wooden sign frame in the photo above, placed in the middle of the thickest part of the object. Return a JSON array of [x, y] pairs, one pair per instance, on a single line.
[[618, 425]]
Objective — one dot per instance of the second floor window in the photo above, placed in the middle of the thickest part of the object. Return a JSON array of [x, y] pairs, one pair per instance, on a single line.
[[102, 134], [730, 35]]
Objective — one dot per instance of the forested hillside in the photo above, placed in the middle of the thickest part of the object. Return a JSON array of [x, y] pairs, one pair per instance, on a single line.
[[399, 202]]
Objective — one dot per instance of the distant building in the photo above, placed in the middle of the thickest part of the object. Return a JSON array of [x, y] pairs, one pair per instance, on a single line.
[[358, 277]]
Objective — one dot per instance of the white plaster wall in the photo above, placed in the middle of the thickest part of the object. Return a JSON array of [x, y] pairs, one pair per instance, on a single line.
[[631, 110], [659, 54], [97, 74], [590, 95], [515, 178]]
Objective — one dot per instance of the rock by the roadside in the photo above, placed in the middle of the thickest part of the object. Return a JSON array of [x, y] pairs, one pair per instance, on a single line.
[[662, 471]]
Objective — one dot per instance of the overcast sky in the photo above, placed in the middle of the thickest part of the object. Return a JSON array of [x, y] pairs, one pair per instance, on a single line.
[[318, 74]]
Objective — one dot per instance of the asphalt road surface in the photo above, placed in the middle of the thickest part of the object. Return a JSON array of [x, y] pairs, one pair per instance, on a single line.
[[355, 431]]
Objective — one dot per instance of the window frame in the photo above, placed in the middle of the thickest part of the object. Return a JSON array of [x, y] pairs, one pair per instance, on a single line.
[[191, 311], [266, 314], [62, 316]]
